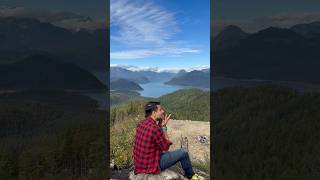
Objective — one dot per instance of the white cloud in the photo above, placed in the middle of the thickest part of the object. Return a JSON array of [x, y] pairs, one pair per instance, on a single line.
[[135, 68], [157, 69], [145, 30], [199, 67], [144, 53], [139, 23]]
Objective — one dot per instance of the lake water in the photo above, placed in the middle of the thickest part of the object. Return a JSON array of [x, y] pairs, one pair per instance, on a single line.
[[157, 89]]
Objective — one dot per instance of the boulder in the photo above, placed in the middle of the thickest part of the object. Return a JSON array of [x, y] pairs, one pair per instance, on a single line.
[[164, 175]]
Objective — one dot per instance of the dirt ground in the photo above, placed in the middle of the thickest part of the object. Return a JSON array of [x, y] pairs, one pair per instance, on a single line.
[[191, 130]]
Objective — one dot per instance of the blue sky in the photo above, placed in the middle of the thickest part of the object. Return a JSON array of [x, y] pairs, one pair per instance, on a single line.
[[254, 15], [168, 34]]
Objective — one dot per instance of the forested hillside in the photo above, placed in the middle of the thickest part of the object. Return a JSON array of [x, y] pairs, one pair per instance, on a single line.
[[51, 135], [267, 132], [188, 104]]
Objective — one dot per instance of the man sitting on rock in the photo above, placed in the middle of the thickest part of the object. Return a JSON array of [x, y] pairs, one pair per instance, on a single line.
[[151, 144]]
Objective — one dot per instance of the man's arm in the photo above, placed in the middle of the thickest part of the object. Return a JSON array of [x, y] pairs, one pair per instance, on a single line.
[[165, 134], [162, 140]]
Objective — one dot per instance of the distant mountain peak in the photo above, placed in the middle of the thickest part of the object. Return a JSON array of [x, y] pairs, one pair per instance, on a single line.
[[307, 29], [182, 71], [229, 36], [232, 29]]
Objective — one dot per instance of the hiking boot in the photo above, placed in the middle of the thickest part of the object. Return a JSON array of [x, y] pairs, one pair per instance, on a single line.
[[197, 177]]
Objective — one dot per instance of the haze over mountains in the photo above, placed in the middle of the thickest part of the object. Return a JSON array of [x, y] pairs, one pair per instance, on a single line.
[[21, 37], [36, 54], [280, 54]]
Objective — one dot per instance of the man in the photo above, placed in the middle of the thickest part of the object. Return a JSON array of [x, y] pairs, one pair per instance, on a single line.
[[151, 145]]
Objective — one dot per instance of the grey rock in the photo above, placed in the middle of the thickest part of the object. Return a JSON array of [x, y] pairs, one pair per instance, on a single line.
[[164, 175]]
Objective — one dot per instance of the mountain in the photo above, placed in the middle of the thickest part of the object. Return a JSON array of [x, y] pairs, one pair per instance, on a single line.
[[119, 72], [157, 76], [206, 70], [308, 29], [142, 76], [43, 72], [139, 80], [23, 36], [273, 53], [193, 78], [228, 37], [124, 84], [180, 73]]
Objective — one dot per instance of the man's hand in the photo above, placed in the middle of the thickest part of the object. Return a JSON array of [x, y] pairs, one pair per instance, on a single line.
[[165, 118]]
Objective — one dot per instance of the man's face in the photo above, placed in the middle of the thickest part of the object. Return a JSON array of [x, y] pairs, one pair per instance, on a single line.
[[158, 113]]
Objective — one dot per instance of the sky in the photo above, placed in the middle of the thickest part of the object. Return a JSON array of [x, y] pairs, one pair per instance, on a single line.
[[70, 14], [92, 8], [167, 34], [254, 15]]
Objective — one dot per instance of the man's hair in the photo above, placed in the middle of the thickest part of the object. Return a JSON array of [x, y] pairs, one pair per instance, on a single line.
[[150, 107]]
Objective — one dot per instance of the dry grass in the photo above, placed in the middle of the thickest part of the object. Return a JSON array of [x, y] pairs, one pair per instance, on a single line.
[[190, 129]]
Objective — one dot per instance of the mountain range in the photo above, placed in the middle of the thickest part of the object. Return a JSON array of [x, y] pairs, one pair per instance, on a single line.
[[124, 84], [22, 37], [141, 76], [193, 78], [196, 78], [118, 72], [280, 54]]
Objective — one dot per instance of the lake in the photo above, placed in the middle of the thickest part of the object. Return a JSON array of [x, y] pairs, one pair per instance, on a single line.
[[157, 89]]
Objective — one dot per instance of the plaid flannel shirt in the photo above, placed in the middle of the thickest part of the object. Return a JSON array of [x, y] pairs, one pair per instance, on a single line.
[[149, 143]]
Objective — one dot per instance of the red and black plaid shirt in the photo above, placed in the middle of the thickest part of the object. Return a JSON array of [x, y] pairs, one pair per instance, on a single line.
[[149, 143]]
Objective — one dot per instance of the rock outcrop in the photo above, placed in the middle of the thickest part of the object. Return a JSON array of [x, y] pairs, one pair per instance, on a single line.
[[164, 175]]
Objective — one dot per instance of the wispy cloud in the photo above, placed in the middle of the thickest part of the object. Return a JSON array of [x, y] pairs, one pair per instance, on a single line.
[[143, 53], [139, 23], [144, 28], [157, 69]]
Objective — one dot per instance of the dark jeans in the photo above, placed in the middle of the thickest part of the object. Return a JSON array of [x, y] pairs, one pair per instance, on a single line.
[[170, 158]]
